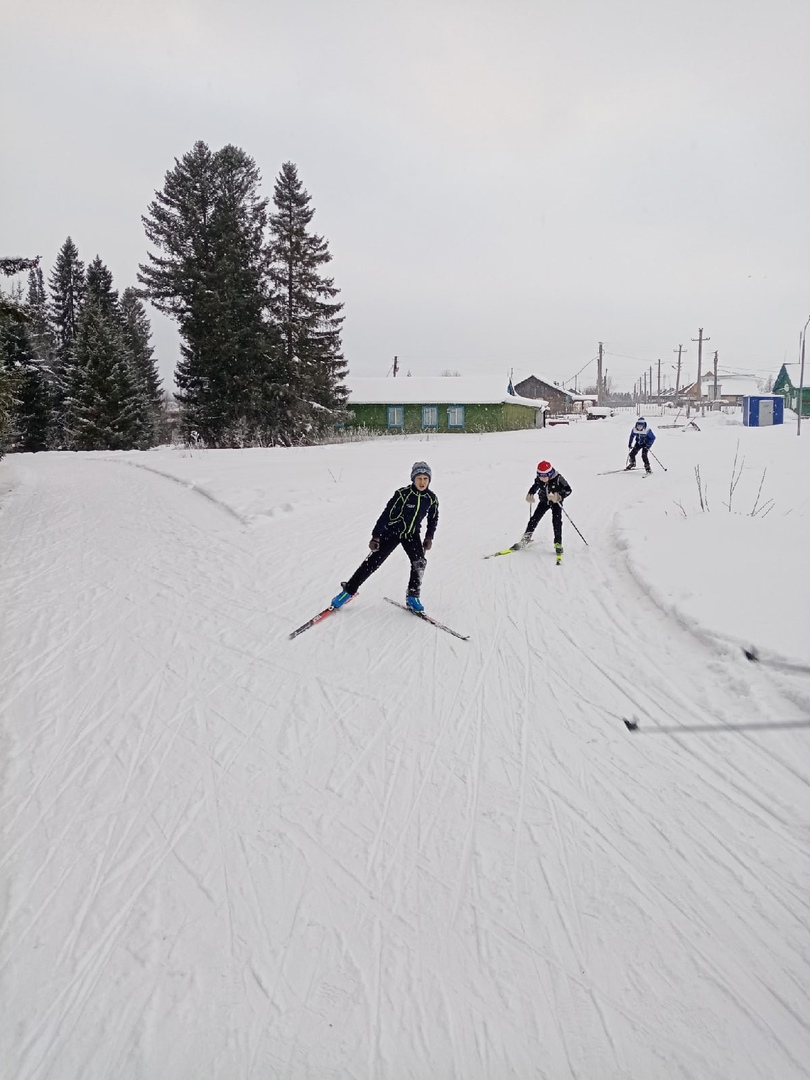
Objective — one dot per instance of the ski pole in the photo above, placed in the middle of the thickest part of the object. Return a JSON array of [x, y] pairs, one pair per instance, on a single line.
[[662, 466], [582, 538]]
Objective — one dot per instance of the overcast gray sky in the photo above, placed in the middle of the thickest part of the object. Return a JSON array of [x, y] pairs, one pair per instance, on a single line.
[[502, 183]]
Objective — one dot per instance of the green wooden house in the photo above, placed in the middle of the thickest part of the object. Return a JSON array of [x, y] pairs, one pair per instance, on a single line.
[[407, 405], [787, 384]]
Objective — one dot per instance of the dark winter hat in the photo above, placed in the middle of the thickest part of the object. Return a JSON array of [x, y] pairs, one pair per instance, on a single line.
[[545, 470], [421, 468]]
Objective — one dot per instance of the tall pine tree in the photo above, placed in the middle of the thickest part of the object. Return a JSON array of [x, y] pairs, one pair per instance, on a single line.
[[68, 286], [40, 329], [304, 312], [137, 334], [14, 316], [99, 287], [207, 225], [103, 405], [30, 413]]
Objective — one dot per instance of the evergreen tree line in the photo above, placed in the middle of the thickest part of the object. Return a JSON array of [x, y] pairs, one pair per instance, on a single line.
[[260, 328], [77, 369]]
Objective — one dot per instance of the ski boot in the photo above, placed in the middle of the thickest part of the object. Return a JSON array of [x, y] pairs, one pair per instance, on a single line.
[[342, 597], [558, 548], [523, 542], [632, 465], [413, 603]]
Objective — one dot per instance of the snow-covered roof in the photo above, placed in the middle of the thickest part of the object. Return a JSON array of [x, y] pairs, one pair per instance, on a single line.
[[728, 383], [436, 390], [794, 373]]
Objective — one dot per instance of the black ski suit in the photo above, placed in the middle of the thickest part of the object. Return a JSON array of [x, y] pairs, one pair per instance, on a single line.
[[401, 523], [559, 486]]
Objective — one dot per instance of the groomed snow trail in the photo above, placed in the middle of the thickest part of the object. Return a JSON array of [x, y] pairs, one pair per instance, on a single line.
[[377, 851]]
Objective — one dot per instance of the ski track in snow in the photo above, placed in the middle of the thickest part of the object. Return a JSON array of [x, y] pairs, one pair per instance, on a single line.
[[377, 851]]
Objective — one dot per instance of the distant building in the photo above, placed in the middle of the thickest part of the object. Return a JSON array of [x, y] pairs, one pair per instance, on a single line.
[[731, 388], [787, 384], [559, 400], [440, 404]]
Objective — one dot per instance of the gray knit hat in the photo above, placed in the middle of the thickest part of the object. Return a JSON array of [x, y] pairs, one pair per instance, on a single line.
[[421, 468]]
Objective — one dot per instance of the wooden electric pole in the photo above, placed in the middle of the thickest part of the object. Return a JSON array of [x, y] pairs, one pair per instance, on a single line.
[[599, 391], [714, 398], [678, 372], [659, 382], [700, 339]]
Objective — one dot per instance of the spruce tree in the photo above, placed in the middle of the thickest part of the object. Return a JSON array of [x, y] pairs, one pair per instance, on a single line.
[[30, 413], [303, 310], [99, 287], [137, 334], [101, 291], [103, 405], [207, 225], [14, 315], [40, 330], [67, 286]]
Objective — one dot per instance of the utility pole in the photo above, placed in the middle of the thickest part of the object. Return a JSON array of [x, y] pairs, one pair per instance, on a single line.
[[715, 376], [645, 386], [599, 392], [678, 372], [800, 402], [700, 339], [650, 384], [396, 367], [659, 382]]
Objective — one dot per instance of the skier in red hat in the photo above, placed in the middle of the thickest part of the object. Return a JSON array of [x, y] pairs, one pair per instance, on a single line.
[[549, 488]]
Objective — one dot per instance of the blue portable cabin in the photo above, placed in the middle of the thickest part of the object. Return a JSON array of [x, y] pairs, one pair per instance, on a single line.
[[762, 410]]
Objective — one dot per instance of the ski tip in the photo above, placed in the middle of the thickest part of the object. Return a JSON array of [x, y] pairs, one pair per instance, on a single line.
[[631, 725]]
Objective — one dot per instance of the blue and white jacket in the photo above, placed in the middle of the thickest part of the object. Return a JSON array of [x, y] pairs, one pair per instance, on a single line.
[[642, 439]]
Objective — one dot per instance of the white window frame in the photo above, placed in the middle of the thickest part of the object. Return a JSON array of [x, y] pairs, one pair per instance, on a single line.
[[452, 411], [433, 412], [396, 416]]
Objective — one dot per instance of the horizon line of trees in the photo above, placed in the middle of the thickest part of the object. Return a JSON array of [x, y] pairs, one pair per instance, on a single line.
[[259, 323]]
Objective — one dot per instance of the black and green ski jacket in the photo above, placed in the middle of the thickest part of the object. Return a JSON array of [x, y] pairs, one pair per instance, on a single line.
[[405, 512]]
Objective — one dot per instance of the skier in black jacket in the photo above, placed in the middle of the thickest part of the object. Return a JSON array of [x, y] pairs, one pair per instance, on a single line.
[[400, 523], [550, 488]]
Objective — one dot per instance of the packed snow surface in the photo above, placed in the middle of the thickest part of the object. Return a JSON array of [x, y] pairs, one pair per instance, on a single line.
[[377, 851]]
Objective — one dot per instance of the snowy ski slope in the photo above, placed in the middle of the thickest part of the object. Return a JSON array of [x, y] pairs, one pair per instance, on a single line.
[[378, 851]]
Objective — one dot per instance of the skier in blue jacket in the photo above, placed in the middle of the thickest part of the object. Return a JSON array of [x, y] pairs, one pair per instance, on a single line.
[[641, 438]]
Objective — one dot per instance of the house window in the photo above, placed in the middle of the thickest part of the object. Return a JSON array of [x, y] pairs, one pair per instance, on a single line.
[[396, 416], [455, 416], [430, 416]]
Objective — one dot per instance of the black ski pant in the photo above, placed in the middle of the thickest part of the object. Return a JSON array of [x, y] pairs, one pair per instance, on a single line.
[[645, 450], [556, 519], [375, 559]]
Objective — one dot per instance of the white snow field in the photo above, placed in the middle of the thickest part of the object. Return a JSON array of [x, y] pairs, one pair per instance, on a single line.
[[377, 851]]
